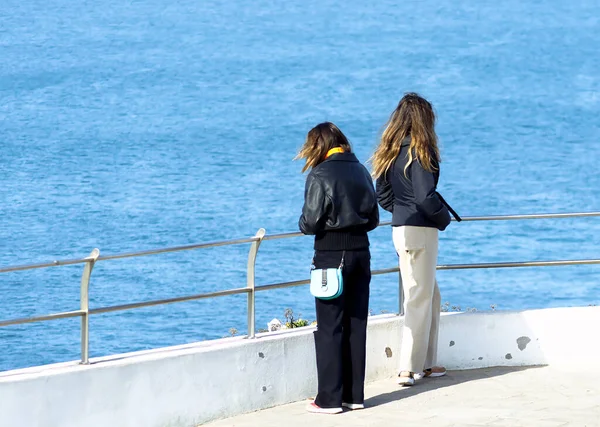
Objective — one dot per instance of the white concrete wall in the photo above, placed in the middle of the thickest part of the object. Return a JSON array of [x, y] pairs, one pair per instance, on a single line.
[[191, 384], [561, 337]]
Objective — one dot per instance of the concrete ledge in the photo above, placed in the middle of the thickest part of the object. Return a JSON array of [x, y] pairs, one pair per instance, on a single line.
[[192, 384]]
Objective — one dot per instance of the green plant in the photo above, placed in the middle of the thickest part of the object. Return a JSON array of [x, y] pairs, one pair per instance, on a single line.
[[301, 322], [291, 322]]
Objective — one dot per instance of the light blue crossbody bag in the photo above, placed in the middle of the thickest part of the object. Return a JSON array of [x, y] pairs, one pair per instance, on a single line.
[[327, 283]]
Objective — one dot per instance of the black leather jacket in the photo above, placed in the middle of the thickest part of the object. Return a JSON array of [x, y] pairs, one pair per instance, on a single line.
[[340, 204]]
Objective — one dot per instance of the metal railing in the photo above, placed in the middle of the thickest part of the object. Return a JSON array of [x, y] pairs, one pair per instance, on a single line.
[[250, 290]]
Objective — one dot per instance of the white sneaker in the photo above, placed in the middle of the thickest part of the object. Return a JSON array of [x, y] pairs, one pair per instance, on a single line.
[[315, 409], [406, 381], [353, 406]]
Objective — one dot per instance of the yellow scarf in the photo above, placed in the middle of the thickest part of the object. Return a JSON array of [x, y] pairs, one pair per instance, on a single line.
[[334, 151]]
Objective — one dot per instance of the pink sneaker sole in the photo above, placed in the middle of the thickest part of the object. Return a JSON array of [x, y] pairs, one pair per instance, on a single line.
[[315, 409]]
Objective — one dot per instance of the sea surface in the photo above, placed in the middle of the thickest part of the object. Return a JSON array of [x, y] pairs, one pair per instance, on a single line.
[[129, 125]]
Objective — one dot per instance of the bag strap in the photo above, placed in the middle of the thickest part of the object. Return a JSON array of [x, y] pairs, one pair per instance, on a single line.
[[452, 211], [342, 262], [315, 254]]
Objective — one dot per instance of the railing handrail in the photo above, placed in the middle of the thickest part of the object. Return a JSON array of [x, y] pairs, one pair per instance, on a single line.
[[229, 242], [168, 249], [282, 285], [250, 290]]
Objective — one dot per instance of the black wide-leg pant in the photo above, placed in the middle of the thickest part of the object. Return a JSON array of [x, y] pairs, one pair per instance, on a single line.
[[340, 339]]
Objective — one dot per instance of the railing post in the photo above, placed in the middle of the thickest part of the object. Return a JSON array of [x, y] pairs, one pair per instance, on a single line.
[[85, 306], [250, 282]]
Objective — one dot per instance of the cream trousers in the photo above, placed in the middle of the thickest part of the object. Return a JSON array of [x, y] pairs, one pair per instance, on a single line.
[[417, 249]]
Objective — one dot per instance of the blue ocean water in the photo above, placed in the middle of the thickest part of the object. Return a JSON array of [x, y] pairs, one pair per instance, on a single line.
[[129, 125]]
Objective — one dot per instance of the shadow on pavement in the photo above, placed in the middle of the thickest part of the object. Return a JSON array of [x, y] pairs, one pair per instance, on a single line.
[[451, 379]]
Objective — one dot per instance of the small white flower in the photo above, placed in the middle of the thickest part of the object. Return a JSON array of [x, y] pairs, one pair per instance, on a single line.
[[274, 325]]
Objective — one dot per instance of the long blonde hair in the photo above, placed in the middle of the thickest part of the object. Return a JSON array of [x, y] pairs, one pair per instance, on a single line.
[[413, 117], [319, 141]]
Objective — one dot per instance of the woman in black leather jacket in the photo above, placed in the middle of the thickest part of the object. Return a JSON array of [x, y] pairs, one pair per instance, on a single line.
[[340, 207]]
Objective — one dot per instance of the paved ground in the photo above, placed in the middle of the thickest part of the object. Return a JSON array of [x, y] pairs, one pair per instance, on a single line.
[[509, 397]]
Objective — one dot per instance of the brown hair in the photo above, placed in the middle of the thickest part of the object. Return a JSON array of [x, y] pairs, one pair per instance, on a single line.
[[319, 141], [413, 117]]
